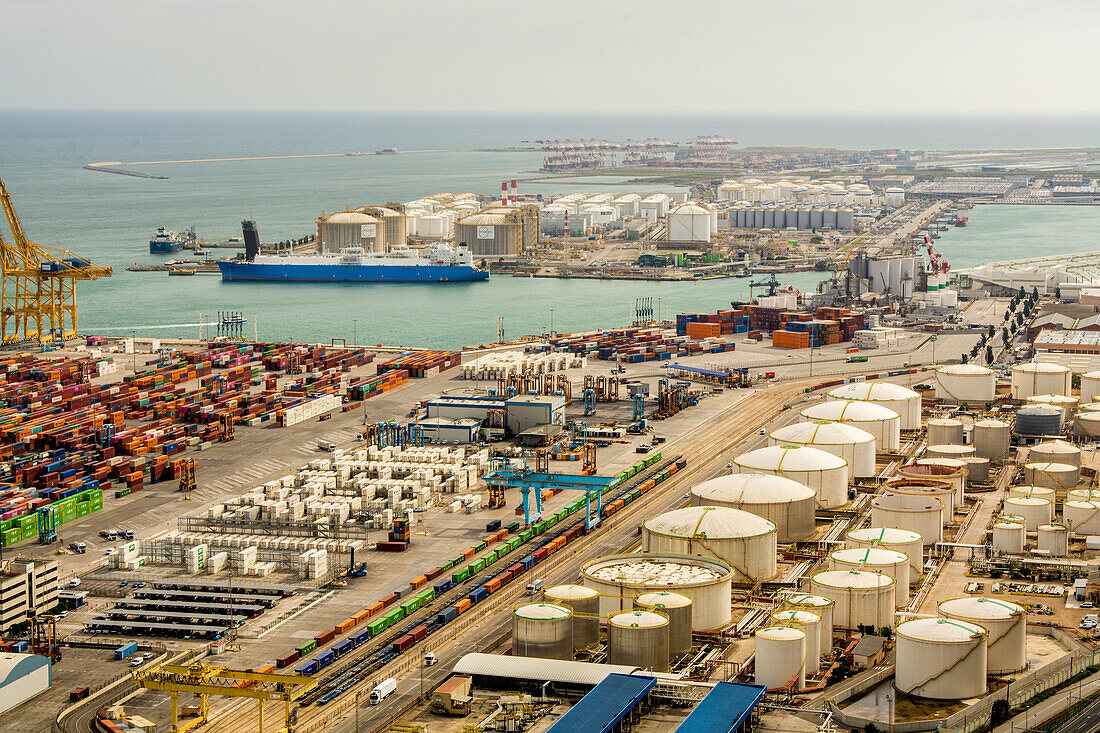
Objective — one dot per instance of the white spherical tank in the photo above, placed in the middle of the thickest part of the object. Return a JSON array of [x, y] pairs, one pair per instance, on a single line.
[[1088, 423], [1082, 516], [876, 560], [892, 538], [1053, 540], [958, 452], [941, 659], [786, 503], [689, 223], [901, 400], [780, 655], [1034, 492], [919, 514], [965, 383], [620, 578], [860, 597], [854, 445], [746, 542], [1006, 622], [992, 439], [585, 604], [928, 488], [1090, 386], [821, 607], [1034, 511], [1060, 476], [678, 610], [542, 630], [878, 420], [1035, 378], [638, 639], [810, 624], [944, 431], [1009, 537], [1055, 451], [821, 471]]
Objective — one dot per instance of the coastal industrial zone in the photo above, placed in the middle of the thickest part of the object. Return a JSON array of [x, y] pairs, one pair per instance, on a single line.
[[870, 507]]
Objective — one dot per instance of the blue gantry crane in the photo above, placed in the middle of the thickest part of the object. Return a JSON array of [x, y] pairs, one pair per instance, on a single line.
[[515, 473]]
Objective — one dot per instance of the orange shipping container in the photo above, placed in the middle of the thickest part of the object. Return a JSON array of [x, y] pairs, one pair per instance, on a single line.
[[700, 330], [463, 605], [418, 581]]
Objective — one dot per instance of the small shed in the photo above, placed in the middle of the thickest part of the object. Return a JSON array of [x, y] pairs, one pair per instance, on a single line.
[[869, 651], [453, 696]]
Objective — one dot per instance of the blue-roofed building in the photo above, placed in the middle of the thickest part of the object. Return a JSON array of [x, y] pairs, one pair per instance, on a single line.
[[611, 706], [730, 707]]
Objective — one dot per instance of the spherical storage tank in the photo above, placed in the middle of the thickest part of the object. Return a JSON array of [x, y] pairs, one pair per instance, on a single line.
[[916, 513], [1055, 451], [490, 234], [349, 229], [1034, 511], [854, 445], [860, 597], [780, 655], [941, 659], [1064, 476], [823, 472], [638, 639], [585, 604], [1039, 420], [876, 560], [786, 503], [542, 630], [965, 383], [1082, 516], [678, 610], [878, 420], [1006, 622], [944, 431], [992, 439], [821, 607], [1053, 540], [810, 624], [892, 538], [901, 400], [745, 541], [620, 578], [1009, 536], [689, 223], [1035, 378]]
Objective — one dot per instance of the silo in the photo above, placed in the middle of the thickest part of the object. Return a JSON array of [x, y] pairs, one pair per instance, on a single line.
[[1055, 451], [1039, 420], [349, 229], [1009, 537], [744, 541], [490, 234], [1035, 378], [677, 608], [878, 420], [915, 513], [1090, 387], [769, 217], [804, 218], [1087, 424], [965, 383], [892, 538], [829, 219], [821, 471], [937, 471], [977, 469], [542, 630], [786, 503], [1062, 476], [901, 400], [944, 491], [1034, 511], [958, 452], [810, 624], [992, 439], [757, 217], [1006, 622], [638, 639], [1082, 516], [1054, 540], [944, 431], [845, 219], [821, 607], [876, 560], [817, 218], [854, 445], [941, 659], [861, 598], [585, 604], [1034, 492], [780, 655]]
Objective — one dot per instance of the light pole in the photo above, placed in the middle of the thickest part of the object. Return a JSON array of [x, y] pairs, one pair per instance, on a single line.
[[551, 321], [133, 347], [354, 332]]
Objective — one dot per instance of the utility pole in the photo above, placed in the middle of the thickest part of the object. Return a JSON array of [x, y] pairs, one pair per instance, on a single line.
[[354, 332]]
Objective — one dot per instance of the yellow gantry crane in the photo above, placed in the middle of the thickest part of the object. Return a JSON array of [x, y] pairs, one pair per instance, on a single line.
[[39, 284], [204, 680]]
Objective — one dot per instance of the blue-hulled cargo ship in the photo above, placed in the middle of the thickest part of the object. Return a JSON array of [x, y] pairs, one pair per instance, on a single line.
[[165, 241]]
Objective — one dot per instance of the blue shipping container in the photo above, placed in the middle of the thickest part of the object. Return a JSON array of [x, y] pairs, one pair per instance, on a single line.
[[306, 669], [326, 659], [361, 637], [124, 651], [448, 614], [443, 586], [479, 594], [343, 647]]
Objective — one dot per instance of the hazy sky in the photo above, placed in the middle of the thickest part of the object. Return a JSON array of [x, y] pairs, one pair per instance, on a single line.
[[1034, 56]]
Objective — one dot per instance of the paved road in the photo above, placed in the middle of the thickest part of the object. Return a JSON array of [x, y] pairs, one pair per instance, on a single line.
[[1086, 721], [1089, 719]]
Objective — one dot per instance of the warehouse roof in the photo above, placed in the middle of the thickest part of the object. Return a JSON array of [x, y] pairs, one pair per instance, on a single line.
[[602, 709], [14, 667], [533, 668], [725, 708]]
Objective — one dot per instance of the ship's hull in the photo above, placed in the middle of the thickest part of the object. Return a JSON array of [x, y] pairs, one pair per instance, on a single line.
[[285, 272], [158, 248]]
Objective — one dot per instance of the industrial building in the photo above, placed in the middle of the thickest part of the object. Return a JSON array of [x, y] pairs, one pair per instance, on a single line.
[[27, 588], [516, 415], [963, 188], [22, 676]]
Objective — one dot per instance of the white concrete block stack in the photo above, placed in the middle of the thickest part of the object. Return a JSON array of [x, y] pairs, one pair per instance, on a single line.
[[504, 364]]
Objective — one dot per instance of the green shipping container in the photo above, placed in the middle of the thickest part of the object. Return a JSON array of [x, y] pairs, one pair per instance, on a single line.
[[409, 606], [83, 510], [376, 627], [477, 566], [526, 534], [306, 648], [460, 576], [427, 596], [12, 536], [480, 546]]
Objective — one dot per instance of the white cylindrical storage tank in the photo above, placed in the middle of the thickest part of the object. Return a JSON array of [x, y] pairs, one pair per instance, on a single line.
[[876, 560], [638, 639], [585, 604], [927, 488], [878, 420], [1068, 405], [919, 514], [944, 431], [810, 624], [948, 470], [1034, 511], [895, 197], [1087, 423], [1064, 476], [542, 630], [430, 226], [901, 400], [965, 383], [958, 452], [788, 504], [1035, 492], [1083, 494], [992, 439], [1035, 378], [821, 607], [854, 445], [977, 469], [821, 471], [780, 655], [941, 659], [892, 538], [1090, 387], [678, 610], [1055, 451], [746, 542], [1054, 540], [1006, 622], [689, 223], [1082, 516], [621, 578], [1009, 537], [860, 597]]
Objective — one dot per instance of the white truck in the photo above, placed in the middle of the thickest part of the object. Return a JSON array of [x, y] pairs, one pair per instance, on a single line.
[[382, 690]]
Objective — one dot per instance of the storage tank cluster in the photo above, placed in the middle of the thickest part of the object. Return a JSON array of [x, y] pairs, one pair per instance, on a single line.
[[878, 420], [744, 541], [823, 472], [892, 538], [1006, 624], [890, 563], [860, 597], [788, 504], [854, 445], [901, 400], [790, 216]]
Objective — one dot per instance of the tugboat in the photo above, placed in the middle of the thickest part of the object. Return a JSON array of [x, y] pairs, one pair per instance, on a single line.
[[165, 241]]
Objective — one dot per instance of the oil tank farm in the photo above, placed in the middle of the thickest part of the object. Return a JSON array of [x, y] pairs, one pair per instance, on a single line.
[[677, 608], [890, 563], [784, 502], [1055, 451], [821, 607], [901, 400], [349, 229], [1009, 536], [1037, 378], [965, 383], [542, 630], [879, 421], [585, 605], [780, 655], [992, 439], [923, 515], [941, 659], [746, 542], [1006, 623], [638, 639], [860, 597], [854, 445], [810, 624], [823, 472]]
